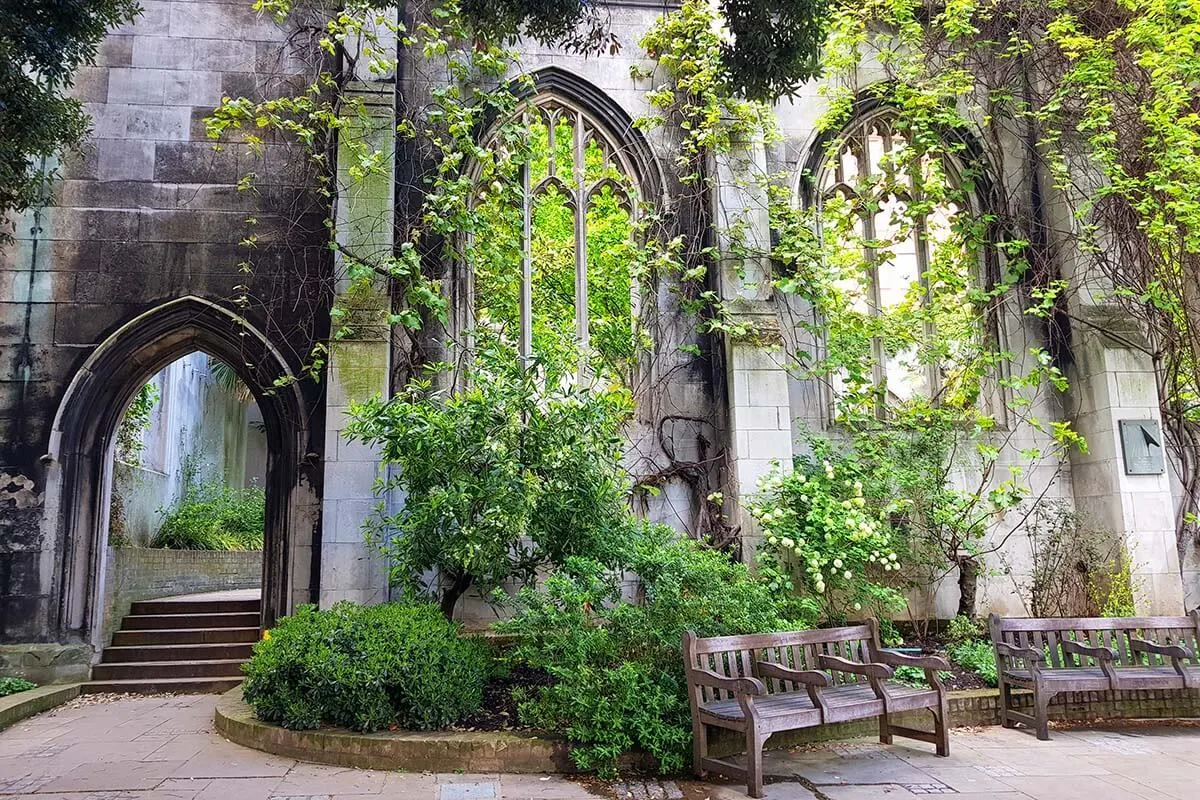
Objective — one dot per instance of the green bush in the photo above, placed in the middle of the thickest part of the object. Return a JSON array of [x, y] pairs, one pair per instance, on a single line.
[[13, 685], [978, 656], [366, 668], [963, 629], [501, 479], [214, 517], [619, 665]]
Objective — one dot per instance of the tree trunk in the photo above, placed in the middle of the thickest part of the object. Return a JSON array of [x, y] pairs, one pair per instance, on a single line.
[[968, 585], [457, 588]]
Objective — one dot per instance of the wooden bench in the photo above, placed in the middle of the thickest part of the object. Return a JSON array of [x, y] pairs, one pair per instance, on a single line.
[[765, 683], [1070, 654]]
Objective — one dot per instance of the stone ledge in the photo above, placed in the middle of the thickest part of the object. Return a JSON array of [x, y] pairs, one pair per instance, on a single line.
[[479, 752], [431, 751], [17, 707]]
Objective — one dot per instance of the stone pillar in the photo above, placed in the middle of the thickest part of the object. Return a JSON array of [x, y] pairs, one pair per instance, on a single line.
[[760, 425], [359, 360], [1116, 382]]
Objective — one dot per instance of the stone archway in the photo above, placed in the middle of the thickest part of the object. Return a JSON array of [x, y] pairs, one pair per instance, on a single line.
[[78, 479]]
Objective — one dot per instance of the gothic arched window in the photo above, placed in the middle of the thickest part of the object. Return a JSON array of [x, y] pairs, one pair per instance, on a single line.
[[896, 229], [553, 258]]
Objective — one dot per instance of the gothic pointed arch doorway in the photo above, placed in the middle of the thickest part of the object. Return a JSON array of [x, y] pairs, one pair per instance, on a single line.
[[79, 475]]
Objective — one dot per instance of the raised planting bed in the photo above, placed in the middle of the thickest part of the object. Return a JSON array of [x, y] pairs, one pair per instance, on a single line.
[[528, 752], [16, 707]]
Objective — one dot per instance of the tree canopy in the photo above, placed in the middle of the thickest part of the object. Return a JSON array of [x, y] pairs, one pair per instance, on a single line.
[[42, 44]]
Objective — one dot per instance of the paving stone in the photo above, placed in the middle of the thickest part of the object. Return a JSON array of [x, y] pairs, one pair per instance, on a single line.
[[474, 790], [112, 775]]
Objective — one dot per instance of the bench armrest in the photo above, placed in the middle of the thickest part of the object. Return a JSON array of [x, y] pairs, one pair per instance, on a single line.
[[1030, 654], [836, 664], [1081, 649], [1169, 650], [745, 686], [809, 677], [902, 660]]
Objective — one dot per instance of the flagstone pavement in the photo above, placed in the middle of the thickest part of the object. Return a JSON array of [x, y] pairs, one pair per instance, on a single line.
[[165, 748]]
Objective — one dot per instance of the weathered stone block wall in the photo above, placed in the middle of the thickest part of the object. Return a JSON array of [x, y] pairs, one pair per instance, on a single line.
[[149, 213], [137, 573]]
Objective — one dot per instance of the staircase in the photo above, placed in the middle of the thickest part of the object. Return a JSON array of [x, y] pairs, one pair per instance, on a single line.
[[179, 645]]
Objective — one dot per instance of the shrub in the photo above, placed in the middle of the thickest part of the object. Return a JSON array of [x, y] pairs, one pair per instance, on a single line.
[[366, 668], [501, 479], [13, 685], [977, 656], [828, 535], [619, 665], [214, 517], [963, 629]]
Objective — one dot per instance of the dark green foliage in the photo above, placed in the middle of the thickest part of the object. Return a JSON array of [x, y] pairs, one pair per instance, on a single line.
[[619, 665], [42, 43], [977, 656], [366, 668], [13, 685], [215, 517]]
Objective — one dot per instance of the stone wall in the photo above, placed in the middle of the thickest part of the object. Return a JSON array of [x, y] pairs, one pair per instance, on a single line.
[[149, 213], [135, 573]]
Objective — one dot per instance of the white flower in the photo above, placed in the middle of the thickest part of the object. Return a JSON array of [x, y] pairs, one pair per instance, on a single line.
[[820, 587], [837, 562], [773, 540], [858, 606], [848, 574]]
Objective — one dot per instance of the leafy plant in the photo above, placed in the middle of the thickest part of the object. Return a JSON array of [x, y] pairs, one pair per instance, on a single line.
[[12, 685], [500, 478], [978, 656], [366, 668], [963, 629], [915, 677], [825, 538], [619, 664], [214, 516], [134, 423]]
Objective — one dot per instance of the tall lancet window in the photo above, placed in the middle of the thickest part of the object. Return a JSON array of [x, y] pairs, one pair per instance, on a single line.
[[554, 256], [900, 243]]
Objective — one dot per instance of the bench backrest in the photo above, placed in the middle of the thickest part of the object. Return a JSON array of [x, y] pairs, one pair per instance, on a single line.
[[1047, 634], [734, 656]]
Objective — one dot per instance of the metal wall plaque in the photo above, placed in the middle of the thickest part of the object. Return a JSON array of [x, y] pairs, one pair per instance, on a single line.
[[1142, 446]]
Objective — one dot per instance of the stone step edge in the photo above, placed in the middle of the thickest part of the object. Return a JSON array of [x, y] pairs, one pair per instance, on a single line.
[[198, 685]]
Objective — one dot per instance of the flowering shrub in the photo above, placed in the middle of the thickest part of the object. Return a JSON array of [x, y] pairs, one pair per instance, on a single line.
[[827, 536]]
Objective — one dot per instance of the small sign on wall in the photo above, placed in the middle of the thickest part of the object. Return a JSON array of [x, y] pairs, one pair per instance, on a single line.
[[1142, 446]]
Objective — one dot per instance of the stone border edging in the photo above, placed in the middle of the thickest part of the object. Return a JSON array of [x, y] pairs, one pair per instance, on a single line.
[[415, 751], [17, 707], [481, 752]]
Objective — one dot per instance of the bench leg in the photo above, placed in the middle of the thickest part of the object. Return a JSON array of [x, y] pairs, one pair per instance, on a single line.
[[699, 749], [1006, 704], [885, 729], [941, 726], [754, 762], [1041, 712]]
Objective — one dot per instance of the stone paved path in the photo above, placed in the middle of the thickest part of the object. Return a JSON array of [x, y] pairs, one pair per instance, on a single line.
[[164, 748]]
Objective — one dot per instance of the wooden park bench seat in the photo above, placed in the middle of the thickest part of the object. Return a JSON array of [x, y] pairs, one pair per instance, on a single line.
[[762, 684], [1071, 654]]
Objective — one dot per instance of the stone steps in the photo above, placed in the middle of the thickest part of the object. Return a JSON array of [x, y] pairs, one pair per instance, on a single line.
[[240, 619], [192, 645], [173, 636]]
